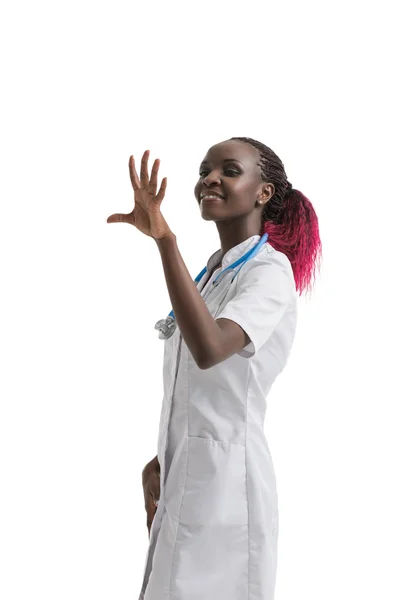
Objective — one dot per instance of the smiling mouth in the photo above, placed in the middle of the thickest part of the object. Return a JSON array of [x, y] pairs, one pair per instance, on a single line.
[[211, 198]]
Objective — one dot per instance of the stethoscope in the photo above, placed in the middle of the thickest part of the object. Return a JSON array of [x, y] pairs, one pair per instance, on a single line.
[[167, 326]]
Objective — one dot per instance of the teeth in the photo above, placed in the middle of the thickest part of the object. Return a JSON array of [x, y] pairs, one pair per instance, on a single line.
[[211, 196]]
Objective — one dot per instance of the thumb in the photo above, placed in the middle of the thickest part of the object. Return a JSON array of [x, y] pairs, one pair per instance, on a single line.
[[150, 514], [118, 218]]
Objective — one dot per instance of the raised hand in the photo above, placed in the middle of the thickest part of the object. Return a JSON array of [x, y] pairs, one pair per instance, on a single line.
[[146, 215]]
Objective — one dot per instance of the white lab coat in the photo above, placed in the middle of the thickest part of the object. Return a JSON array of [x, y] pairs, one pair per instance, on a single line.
[[214, 535]]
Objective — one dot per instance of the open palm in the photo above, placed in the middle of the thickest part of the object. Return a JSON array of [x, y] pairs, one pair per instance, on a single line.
[[146, 215]]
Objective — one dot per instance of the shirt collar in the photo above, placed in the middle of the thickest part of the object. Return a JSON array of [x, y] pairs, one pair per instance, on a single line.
[[233, 254]]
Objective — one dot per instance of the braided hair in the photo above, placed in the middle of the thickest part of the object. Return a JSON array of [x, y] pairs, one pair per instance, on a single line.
[[289, 219]]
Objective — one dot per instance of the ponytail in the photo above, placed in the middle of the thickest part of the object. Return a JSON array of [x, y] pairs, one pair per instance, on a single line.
[[289, 219], [297, 235]]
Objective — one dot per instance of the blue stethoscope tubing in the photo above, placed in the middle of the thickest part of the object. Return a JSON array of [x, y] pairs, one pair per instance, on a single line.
[[168, 322]]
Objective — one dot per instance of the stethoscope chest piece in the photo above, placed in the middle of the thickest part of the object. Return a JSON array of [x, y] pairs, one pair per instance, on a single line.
[[166, 327]]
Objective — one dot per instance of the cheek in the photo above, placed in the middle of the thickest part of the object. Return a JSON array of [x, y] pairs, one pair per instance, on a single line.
[[243, 191], [241, 184]]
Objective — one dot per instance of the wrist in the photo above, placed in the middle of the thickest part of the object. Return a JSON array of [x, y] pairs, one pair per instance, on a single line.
[[151, 466], [165, 238]]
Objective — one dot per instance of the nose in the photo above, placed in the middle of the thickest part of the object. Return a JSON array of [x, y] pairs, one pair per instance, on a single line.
[[210, 178]]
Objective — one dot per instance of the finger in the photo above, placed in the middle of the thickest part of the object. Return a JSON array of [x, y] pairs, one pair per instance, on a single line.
[[156, 488], [148, 528], [133, 175], [117, 218], [160, 196], [153, 179], [151, 511], [149, 502], [144, 175], [155, 498], [150, 519]]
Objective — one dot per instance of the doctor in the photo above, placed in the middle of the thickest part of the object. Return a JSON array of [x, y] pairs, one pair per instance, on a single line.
[[210, 493]]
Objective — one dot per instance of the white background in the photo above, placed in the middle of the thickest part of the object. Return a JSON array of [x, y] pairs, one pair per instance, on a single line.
[[84, 86]]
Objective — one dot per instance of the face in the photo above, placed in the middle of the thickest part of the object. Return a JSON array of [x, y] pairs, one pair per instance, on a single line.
[[230, 169]]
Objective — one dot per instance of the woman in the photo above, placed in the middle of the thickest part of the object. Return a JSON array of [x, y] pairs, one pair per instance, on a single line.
[[210, 493]]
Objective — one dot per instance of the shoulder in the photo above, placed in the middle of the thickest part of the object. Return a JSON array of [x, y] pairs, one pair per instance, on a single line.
[[263, 299], [271, 267]]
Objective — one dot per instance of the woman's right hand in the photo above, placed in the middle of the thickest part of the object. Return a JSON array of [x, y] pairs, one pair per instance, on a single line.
[[151, 489], [146, 215]]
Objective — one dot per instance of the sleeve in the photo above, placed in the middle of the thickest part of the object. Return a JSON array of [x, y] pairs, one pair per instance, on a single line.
[[264, 293]]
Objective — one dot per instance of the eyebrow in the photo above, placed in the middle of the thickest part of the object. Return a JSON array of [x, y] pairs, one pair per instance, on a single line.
[[205, 162]]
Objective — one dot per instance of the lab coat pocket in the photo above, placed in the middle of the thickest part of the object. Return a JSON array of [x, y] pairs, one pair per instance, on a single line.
[[215, 491]]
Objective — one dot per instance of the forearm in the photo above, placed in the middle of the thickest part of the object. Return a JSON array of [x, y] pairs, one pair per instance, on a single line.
[[198, 327]]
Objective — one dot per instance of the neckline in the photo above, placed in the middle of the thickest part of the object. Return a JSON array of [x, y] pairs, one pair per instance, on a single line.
[[233, 254]]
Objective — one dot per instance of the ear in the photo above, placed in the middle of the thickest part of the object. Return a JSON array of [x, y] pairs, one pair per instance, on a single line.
[[268, 190], [265, 193]]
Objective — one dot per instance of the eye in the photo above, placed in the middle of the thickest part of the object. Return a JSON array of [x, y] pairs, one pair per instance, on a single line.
[[226, 171]]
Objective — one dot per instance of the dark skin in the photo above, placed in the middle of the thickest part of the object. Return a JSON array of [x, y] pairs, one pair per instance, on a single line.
[[151, 489], [238, 216]]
